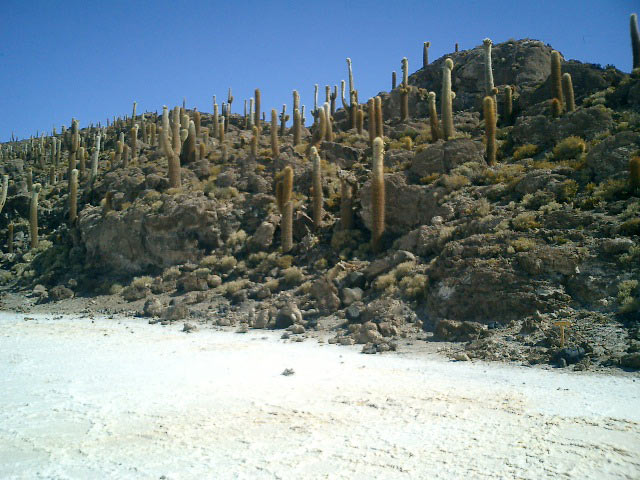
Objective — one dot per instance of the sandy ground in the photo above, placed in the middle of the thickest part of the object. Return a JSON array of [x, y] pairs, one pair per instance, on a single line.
[[109, 398]]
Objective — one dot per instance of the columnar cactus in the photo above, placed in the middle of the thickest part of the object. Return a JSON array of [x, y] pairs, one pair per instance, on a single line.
[[508, 104], [634, 172], [433, 117], [296, 127], [315, 104], [33, 215], [253, 144], [360, 120], [172, 156], [152, 134], [346, 204], [446, 102], [332, 98], [425, 53], [197, 120], [351, 87], [81, 161], [286, 224], [145, 131], [379, 123], [52, 176], [94, 158], [216, 119], [284, 118], [345, 105], [251, 107], [328, 131], [556, 82], [257, 114], [404, 91], [275, 147], [393, 80], [377, 195], [488, 70], [635, 40], [372, 120], [319, 132], [175, 130], [134, 143], [75, 144], [3, 193], [188, 154], [488, 108], [73, 196], [29, 179], [556, 108], [567, 86], [133, 114], [317, 189], [118, 156], [221, 130]]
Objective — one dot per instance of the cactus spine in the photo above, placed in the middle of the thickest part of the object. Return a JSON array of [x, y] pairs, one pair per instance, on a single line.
[[377, 195], [172, 157], [567, 86], [404, 91], [446, 102], [275, 148], [488, 108], [73, 196], [317, 188], [425, 53], [634, 172], [635, 40], [433, 117], [556, 83]]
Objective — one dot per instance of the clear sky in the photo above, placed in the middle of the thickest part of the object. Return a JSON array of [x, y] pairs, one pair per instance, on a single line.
[[91, 59]]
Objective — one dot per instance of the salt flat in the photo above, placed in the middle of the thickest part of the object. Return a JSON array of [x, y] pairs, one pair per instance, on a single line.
[[122, 399]]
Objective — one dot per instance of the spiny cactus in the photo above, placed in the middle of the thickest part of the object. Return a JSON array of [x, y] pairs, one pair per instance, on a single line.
[[332, 98], [634, 172], [351, 87], [284, 118], [488, 112], [446, 102], [133, 114], [433, 117], [286, 224], [346, 204], [567, 86], [188, 154], [556, 82], [202, 150], [556, 108], [221, 129], [118, 156], [81, 161], [328, 131], [379, 122], [197, 120], [253, 144], [425, 53], [125, 156], [275, 147], [372, 120], [508, 104], [404, 91], [319, 132], [393, 80], [257, 114], [173, 159], [317, 188], [94, 159], [488, 70], [377, 195], [345, 105], [3, 193], [33, 215], [73, 196], [175, 131], [360, 120], [216, 119], [152, 134], [635, 40], [296, 127], [29, 178], [315, 104]]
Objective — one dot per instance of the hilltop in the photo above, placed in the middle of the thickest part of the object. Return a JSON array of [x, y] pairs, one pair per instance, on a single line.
[[487, 257]]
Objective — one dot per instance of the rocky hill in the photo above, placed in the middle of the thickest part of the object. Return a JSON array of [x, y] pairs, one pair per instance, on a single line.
[[533, 257]]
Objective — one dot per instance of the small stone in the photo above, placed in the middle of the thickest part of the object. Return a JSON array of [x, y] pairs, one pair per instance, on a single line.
[[345, 341], [243, 328], [353, 313], [351, 295], [461, 357], [296, 329], [189, 327], [288, 371]]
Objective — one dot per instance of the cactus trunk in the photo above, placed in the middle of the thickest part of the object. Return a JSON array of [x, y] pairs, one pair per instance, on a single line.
[[377, 195]]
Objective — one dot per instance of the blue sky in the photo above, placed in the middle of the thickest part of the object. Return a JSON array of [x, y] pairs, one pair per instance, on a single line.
[[91, 59]]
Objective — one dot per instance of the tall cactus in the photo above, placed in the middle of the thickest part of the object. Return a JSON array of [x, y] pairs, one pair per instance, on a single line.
[[296, 126], [635, 40], [133, 114], [508, 104], [253, 145], [488, 108], [379, 122], [317, 188], [286, 225], [257, 114], [73, 196], [433, 117], [3, 193], [94, 158], [188, 154], [425, 53], [488, 70], [33, 215], [275, 147], [173, 159], [216, 119], [359, 120], [377, 195], [29, 179], [393, 80], [284, 118], [446, 102], [567, 86], [328, 131], [556, 82], [319, 131], [372, 120], [404, 91], [351, 86]]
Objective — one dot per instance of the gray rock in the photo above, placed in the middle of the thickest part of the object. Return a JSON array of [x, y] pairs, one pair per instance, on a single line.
[[610, 158], [288, 315], [325, 294], [262, 239], [353, 313], [350, 295], [60, 292], [175, 312], [614, 246], [442, 157], [152, 308], [189, 327]]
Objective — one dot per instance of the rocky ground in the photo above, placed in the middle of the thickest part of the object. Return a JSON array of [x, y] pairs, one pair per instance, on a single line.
[[485, 262]]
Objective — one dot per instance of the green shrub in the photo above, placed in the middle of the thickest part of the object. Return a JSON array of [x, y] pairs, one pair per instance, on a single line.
[[569, 148], [631, 227], [525, 221], [627, 296], [525, 151]]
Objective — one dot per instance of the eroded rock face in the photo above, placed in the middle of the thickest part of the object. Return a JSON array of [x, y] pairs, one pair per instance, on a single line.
[[138, 240], [407, 206], [610, 158], [442, 157]]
